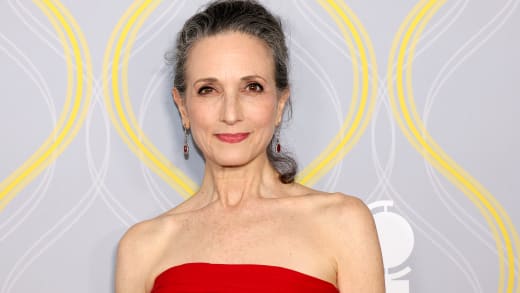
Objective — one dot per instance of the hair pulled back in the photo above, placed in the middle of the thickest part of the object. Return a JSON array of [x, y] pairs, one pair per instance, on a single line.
[[249, 17]]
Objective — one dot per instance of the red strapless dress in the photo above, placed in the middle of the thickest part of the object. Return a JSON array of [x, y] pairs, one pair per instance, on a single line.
[[201, 277]]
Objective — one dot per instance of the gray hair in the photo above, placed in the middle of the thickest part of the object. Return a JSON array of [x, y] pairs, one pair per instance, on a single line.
[[249, 17]]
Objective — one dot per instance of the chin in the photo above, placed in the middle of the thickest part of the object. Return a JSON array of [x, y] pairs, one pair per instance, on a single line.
[[231, 162], [232, 159]]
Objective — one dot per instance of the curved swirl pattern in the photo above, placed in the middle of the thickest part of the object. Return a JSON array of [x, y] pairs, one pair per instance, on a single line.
[[79, 90], [363, 101], [403, 106], [120, 109], [31, 237]]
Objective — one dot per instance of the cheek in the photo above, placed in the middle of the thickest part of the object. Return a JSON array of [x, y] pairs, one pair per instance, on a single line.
[[199, 113], [263, 113], [201, 121]]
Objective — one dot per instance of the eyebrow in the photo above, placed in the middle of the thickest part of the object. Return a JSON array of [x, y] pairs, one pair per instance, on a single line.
[[249, 77], [206, 79], [213, 79]]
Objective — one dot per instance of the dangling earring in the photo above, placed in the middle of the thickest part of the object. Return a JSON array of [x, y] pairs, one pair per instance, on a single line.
[[186, 147], [277, 146]]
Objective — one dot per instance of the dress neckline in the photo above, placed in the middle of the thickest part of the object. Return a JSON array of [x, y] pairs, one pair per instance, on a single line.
[[184, 265]]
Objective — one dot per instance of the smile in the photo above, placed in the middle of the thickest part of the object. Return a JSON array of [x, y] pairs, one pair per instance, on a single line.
[[232, 137]]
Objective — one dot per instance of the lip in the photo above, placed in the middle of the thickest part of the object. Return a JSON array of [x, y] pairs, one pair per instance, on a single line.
[[232, 137]]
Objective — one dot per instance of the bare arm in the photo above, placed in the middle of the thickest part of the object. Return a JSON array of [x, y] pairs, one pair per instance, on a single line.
[[358, 253], [131, 262]]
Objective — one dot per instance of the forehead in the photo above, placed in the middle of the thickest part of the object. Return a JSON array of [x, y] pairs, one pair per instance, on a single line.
[[230, 54]]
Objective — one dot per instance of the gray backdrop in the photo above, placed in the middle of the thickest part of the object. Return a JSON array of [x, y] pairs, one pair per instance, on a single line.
[[424, 131]]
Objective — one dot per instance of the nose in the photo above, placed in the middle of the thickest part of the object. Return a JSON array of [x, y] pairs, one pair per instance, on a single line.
[[231, 108]]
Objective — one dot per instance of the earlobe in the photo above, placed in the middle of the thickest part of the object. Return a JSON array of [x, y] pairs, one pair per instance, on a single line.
[[179, 101]]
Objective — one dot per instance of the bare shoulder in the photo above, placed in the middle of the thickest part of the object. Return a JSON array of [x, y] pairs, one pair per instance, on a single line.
[[139, 250], [350, 222], [150, 234], [348, 232], [338, 212], [139, 235], [348, 210], [337, 205], [354, 242]]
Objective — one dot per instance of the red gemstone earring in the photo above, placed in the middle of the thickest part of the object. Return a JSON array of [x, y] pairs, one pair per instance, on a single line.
[[277, 146], [186, 146]]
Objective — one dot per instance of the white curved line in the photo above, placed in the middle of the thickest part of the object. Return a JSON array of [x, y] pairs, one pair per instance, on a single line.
[[30, 204], [99, 175], [34, 28], [324, 79], [464, 265], [150, 91], [474, 43], [47, 240]]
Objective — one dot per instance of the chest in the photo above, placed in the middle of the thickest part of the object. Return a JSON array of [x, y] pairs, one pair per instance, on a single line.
[[296, 240], [255, 238]]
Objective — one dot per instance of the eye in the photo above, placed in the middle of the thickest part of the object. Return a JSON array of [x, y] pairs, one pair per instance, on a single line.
[[205, 90], [255, 87]]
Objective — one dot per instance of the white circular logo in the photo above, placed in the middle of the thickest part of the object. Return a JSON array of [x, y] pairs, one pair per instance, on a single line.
[[397, 240]]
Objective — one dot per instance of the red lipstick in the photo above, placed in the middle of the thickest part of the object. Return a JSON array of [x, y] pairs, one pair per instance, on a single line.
[[232, 137]]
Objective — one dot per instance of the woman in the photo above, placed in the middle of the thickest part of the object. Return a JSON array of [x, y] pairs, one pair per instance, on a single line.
[[250, 227]]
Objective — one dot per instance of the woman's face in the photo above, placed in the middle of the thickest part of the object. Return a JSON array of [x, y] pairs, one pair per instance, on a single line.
[[231, 105]]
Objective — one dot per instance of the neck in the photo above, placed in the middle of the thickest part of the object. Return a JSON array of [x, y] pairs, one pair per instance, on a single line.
[[232, 187]]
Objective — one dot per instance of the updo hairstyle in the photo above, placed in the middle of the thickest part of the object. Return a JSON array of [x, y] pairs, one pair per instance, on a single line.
[[248, 17]]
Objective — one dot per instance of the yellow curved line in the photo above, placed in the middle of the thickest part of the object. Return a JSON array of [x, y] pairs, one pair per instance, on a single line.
[[374, 90], [437, 157], [154, 160], [349, 135], [416, 35], [472, 187], [390, 69], [418, 32], [87, 74], [452, 169], [106, 87], [56, 143], [418, 146], [106, 68], [139, 17], [138, 143], [177, 175], [472, 181], [350, 140], [105, 74], [61, 120], [311, 171]]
